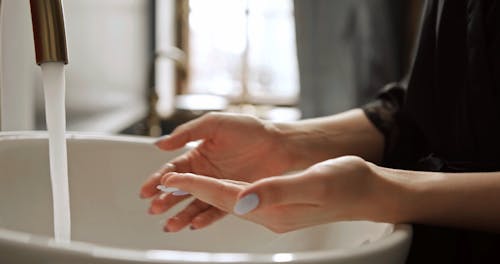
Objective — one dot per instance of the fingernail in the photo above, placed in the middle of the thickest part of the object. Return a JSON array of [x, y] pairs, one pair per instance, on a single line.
[[246, 204], [173, 190], [167, 166], [192, 227], [166, 189], [165, 229], [154, 210], [180, 193]]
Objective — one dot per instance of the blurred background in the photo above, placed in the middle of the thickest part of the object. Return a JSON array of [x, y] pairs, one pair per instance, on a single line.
[[144, 67]]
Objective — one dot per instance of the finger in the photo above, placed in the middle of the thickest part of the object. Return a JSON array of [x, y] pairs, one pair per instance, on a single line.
[[182, 163], [200, 128], [148, 189], [242, 183], [179, 164], [184, 217], [207, 217], [219, 193], [163, 202], [274, 191]]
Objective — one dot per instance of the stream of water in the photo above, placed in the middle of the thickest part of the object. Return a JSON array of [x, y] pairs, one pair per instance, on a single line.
[[54, 88]]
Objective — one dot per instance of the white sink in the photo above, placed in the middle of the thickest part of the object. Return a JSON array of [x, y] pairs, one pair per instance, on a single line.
[[110, 224]]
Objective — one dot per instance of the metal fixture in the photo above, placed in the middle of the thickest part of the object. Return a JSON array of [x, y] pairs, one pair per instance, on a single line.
[[48, 31]]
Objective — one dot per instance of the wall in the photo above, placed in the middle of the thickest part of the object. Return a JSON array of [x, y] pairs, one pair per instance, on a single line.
[[110, 63]]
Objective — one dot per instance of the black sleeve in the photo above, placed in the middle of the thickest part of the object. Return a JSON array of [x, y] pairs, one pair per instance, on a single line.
[[383, 111]]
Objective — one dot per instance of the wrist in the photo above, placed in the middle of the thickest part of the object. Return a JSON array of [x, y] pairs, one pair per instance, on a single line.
[[285, 150], [296, 141], [396, 193], [313, 140]]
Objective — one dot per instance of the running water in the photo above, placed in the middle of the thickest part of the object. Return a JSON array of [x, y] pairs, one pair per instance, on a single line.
[[55, 113]]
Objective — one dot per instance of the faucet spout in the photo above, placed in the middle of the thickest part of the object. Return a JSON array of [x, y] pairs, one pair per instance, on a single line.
[[48, 31]]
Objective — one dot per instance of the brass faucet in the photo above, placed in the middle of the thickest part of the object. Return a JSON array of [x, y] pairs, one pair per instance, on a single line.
[[48, 31]]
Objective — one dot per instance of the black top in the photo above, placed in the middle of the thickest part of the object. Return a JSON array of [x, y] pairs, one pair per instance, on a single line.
[[451, 107], [447, 116]]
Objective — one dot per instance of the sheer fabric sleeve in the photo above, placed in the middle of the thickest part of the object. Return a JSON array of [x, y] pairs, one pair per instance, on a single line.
[[383, 112]]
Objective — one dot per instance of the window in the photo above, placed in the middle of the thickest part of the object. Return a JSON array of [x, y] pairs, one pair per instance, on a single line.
[[243, 50]]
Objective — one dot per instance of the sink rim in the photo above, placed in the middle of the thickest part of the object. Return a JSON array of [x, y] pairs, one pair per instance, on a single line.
[[401, 234]]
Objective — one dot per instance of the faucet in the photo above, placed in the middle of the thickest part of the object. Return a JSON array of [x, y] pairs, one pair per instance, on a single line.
[[50, 46], [48, 31]]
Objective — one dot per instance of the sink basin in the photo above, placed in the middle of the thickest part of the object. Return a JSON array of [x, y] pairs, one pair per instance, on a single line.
[[110, 224]]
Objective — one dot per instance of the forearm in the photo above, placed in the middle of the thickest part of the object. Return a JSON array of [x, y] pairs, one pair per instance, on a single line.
[[314, 140], [468, 200]]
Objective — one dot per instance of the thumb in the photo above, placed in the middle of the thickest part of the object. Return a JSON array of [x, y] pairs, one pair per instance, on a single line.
[[273, 191], [200, 128]]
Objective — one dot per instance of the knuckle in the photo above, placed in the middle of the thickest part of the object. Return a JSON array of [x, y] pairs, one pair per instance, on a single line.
[[223, 190], [175, 179], [270, 190]]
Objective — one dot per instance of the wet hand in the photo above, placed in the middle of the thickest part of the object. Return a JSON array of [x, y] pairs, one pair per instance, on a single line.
[[236, 147], [339, 189]]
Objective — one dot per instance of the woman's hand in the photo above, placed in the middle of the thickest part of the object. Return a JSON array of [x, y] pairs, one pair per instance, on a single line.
[[236, 147], [344, 188]]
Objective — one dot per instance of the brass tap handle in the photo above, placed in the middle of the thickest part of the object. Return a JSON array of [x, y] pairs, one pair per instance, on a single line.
[[48, 31]]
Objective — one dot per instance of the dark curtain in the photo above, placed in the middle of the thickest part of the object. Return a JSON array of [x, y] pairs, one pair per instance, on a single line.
[[347, 50]]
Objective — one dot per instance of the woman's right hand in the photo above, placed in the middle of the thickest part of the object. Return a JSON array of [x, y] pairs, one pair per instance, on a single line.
[[234, 147], [340, 189]]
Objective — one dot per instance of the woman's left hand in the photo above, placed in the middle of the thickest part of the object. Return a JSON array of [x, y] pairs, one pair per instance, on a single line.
[[345, 188]]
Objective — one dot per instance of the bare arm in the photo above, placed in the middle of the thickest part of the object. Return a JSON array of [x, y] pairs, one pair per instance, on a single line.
[[244, 148], [348, 133], [468, 200], [349, 188]]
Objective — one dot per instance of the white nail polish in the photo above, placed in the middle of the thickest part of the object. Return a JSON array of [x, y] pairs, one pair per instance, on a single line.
[[166, 189], [246, 204], [173, 190], [180, 193]]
